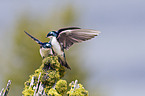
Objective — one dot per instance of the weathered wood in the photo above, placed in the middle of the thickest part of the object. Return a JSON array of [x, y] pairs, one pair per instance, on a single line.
[[4, 92]]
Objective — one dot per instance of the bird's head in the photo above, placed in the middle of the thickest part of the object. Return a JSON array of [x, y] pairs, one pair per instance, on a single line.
[[52, 33], [46, 45]]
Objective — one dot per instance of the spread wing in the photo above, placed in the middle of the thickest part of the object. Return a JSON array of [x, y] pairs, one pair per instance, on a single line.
[[70, 36], [36, 40]]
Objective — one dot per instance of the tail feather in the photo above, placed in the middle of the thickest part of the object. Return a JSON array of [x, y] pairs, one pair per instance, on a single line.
[[63, 63], [36, 40]]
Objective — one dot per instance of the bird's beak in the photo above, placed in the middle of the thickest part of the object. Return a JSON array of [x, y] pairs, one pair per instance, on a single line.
[[48, 37]]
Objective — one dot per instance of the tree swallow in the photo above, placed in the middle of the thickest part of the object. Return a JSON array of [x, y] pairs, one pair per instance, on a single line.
[[46, 50], [65, 37]]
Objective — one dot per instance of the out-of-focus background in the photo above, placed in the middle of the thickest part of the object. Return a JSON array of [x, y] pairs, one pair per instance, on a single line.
[[112, 64]]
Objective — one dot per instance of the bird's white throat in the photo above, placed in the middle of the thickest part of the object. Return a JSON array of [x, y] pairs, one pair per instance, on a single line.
[[56, 46]]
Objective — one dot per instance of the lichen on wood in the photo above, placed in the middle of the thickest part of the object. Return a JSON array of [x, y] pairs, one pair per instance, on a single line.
[[4, 92], [46, 81]]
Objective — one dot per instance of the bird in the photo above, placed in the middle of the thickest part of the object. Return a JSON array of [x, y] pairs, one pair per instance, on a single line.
[[66, 37], [46, 50]]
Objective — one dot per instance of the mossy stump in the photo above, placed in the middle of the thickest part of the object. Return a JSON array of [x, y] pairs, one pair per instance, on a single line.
[[46, 81]]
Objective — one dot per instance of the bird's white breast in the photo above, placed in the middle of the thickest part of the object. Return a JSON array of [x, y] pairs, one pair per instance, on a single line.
[[45, 52], [56, 46]]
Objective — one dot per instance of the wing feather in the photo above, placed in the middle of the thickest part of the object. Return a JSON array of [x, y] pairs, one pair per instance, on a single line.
[[68, 37]]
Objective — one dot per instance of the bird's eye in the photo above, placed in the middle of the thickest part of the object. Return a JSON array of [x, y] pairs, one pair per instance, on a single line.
[[47, 44]]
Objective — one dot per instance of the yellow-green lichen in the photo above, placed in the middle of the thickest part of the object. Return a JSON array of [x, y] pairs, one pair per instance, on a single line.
[[28, 92], [51, 63], [61, 86], [53, 92], [51, 71], [80, 91], [50, 79]]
